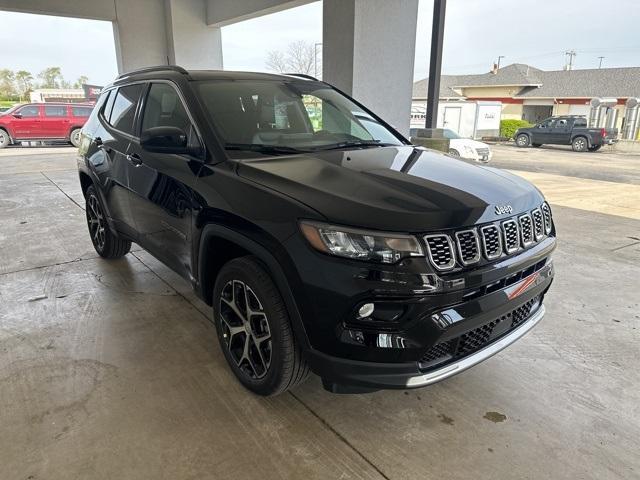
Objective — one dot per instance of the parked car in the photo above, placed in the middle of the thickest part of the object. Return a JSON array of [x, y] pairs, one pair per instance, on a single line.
[[566, 130], [43, 122], [467, 148], [332, 246]]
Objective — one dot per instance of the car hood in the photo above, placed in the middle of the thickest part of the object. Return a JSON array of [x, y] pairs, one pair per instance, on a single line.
[[401, 188]]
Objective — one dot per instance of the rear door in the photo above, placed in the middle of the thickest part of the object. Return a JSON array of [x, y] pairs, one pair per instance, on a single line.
[[561, 131], [115, 132], [26, 122], [55, 121], [161, 184]]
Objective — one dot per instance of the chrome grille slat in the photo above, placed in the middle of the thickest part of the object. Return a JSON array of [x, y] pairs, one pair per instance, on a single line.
[[511, 236], [538, 224], [491, 241], [546, 213], [440, 250], [468, 246], [526, 230]]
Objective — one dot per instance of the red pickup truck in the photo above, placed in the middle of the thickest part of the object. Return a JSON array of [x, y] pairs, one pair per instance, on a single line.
[[43, 122]]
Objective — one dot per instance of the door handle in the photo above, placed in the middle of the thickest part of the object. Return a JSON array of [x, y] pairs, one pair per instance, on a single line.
[[98, 143], [134, 159]]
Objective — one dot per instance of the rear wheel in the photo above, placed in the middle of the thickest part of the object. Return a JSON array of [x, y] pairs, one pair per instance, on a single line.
[[523, 140], [5, 140], [579, 144], [106, 243], [454, 153], [594, 148], [74, 137], [254, 330]]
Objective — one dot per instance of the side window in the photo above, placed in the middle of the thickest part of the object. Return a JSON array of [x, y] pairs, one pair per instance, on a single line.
[[55, 111], [124, 108], [580, 122], [164, 108], [561, 123], [29, 111], [81, 111]]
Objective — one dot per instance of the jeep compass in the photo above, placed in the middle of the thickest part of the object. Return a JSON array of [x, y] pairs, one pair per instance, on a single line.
[[321, 238]]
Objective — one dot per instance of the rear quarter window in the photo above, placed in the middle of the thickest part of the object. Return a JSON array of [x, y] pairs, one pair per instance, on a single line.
[[81, 111]]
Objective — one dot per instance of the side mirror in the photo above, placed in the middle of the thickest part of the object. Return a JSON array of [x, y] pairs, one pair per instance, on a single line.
[[17, 115], [164, 140]]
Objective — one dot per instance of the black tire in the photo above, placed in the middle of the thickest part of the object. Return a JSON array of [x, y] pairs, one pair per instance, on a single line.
[[258, 342], [594, 148], [106, 243], [454, 153], [523, 140], [580, 144], [536, 145], [5, 139], [74, 137]]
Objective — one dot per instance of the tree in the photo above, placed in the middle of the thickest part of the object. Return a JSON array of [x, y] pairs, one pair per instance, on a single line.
[[299, 58], [24, 81], [50, 77], [7, 86], [82, 79]]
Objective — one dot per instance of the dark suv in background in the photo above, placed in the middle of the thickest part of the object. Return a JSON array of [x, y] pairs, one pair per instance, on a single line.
[[321, 238]]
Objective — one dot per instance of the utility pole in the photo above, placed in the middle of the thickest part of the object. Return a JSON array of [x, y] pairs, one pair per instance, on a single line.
[[435, 63], [315, 59], [601, 58], [500, 57], [571, 54]]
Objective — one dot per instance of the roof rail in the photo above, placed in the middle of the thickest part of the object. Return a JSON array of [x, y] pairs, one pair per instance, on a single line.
[[157, 68], [302, 75]]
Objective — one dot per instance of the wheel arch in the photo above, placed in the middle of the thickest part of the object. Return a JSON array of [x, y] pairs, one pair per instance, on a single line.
[[85, 182], [217, 238], [582, 135], [8, 132]]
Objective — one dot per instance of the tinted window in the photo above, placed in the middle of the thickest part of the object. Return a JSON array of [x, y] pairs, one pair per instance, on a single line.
[[29, 111], [164, 109], [124, 108], [580, 122], [110, 96], [55, 111], [81, 111]]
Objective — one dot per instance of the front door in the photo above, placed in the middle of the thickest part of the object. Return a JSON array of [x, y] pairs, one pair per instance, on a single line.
[[27, 122], [452, 118], [161, 184], [55, 121], [543, 132]]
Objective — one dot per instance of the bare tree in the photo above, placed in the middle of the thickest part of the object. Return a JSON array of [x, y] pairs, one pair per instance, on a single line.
[[298, 58], [24, 80]]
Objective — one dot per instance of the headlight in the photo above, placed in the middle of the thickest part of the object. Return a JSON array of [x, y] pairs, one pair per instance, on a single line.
[[360, 244]]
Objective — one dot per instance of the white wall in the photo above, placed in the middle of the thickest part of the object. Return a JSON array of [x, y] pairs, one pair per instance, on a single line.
[[226, 12]]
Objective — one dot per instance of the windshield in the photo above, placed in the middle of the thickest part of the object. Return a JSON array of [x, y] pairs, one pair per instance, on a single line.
[[450, 134], [288, 116]]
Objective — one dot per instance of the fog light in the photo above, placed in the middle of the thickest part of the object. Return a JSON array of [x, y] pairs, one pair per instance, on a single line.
[[366, 310]]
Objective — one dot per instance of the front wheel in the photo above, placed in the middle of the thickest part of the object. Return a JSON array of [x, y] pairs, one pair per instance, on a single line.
[[454, 153], [254, 330], [74, 137], [579, 144], [523, 140], [595, 148], [5, 140], [105, 242]]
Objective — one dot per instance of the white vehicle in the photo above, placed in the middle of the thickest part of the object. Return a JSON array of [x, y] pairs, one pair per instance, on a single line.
[[467, 148]]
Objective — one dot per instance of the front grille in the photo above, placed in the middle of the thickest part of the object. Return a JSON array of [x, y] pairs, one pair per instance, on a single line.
[[546, 213], [538, 224], [468, 246], [511, 236], [440, 251], [491, 241], [526, 230], [478, 338]]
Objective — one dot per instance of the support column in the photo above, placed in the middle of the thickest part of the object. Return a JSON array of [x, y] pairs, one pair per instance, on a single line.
[[165, 32], [368, 52]]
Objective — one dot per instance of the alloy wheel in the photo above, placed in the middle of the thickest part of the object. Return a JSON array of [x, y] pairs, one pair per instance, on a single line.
[[245, 329], [96, 221]]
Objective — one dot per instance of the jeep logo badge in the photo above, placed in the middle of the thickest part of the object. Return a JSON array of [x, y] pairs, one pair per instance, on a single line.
[[503, 209]]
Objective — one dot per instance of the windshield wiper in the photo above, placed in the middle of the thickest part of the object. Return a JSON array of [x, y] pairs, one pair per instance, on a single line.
[[262, 148], [357, 143]]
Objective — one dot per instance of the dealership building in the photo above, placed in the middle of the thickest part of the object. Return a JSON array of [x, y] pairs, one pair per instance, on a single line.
[[531, 94]]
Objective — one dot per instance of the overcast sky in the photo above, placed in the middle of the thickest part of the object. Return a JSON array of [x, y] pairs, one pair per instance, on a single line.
[[476, 32]]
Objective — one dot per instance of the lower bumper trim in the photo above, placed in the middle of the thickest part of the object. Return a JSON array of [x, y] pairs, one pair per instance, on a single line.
[[468, 362]]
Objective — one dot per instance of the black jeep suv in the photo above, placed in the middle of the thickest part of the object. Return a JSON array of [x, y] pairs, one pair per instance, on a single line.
[[321, 238]]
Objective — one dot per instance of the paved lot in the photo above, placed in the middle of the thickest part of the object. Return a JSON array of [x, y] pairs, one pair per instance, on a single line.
[[112, 370]]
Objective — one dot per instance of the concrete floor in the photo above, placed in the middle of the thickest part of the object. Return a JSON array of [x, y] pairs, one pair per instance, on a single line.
[[111, 369]]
